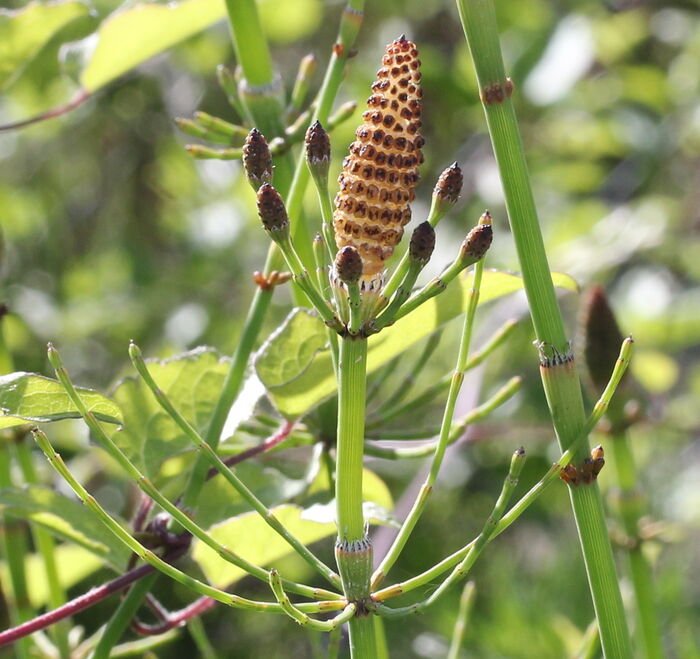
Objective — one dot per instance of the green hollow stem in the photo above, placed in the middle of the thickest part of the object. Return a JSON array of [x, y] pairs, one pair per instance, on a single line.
[[148, 488], [14, 544], [466, 603], [44, 542], [353, 552], [205, 648], [536, 490], [391, 409], [445, 431], [351, 431], [477, 546], [226, 472], [561, 382], [631, 507], [156, 561], [122, 617]]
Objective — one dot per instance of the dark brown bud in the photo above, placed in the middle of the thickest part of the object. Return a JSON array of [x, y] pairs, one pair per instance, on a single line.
[[257, 159], [601, 334], [318, 149], [478, 241], [348, 265], [449, 185], [271, 210], [422, 243]]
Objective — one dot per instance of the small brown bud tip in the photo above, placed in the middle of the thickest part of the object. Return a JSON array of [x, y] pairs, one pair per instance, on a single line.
[[271, 209], [449, 185], [348, 264], [478, 241], [597, 452], [318, 146], [601, 336], [257, 159], [422, 243], [519, 452], [486, 218]]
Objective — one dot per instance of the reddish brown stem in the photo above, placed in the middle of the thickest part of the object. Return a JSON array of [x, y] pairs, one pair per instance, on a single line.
[[272, 441], [174, 619], [77, 100], [81, 603]]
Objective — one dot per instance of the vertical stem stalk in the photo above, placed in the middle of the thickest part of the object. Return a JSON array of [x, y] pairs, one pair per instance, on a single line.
[[353, 551], [560, 380]]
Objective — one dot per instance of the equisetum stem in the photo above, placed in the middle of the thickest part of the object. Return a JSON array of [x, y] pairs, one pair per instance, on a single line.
[[353, 550], [630, 505], [146, 486], [477, 546], [156, 561], [550, 476], [561, 382], [15, 549], [46, 546], [231, 478], [445, 430], [121, 618], [466, 603]]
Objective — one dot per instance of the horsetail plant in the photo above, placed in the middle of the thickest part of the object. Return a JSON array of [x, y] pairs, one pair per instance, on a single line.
[[343, 275]]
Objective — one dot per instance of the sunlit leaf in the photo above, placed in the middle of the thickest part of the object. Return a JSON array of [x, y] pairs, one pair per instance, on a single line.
[[192, 382], [314, 380], [67, 519], [23, 33], [250, 537], [27, 397], [76, 563], [134, 34]]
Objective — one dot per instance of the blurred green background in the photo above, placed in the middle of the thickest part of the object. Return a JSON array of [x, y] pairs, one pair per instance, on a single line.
[[112, 232]]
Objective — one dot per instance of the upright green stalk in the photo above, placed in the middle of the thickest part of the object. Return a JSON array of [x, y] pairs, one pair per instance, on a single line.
[[15, 549], [560, 377], [631, 508], [353, 551]]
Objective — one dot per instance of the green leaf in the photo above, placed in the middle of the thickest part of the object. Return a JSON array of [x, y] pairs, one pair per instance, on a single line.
[[27, 397], [193, 382], [250, 537], [67, 519], [294, 394], [291, 349], [76, 563], [134, 34], [23, 33]]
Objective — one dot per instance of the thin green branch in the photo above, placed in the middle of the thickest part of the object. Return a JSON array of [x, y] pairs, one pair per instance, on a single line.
[[457, 378], [550, 477], [146, 486], [240, 487], [153, 559], [463, 568], [466, 603]]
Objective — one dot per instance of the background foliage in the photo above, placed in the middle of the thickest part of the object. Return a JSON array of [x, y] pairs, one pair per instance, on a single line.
[[112, 232]]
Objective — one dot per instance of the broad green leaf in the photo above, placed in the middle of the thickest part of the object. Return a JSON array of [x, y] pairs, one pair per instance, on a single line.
[[192, 382], [314, 379], [27, 397], [134, 34], [250, 537], [75, 564], [291, 349], [67, 519], [23, 33]]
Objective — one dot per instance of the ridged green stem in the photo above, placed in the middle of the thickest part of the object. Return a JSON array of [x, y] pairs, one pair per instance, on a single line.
[[122, 617], [561, 382], [14, 543], [631, 507], [44, 542], [466, 602]]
